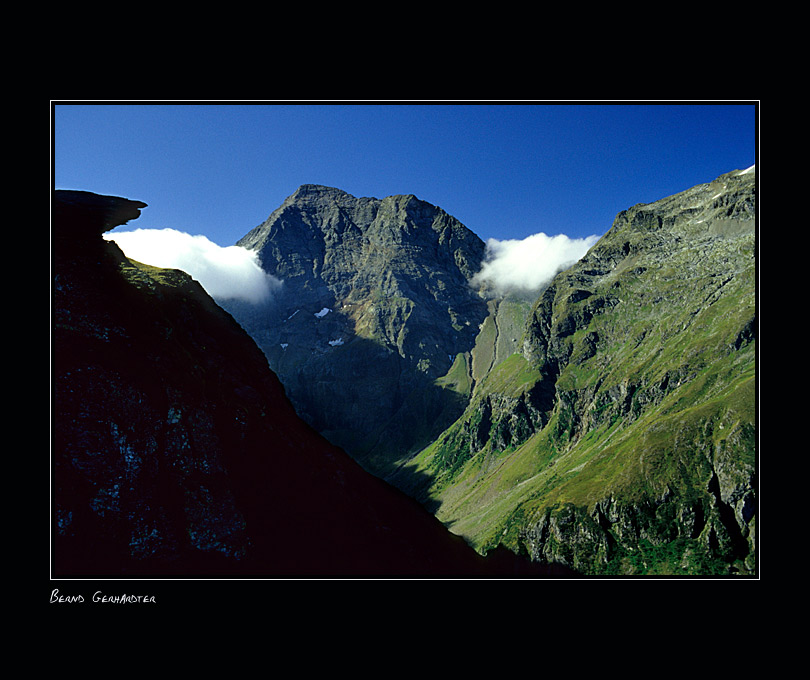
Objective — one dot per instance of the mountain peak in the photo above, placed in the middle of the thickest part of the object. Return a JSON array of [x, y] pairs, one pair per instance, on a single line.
[[316, 190], [321, 191], [395, 274]]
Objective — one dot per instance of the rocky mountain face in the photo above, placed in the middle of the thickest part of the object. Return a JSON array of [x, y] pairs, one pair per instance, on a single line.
[[620, 438], [372, 329], [175, 450]]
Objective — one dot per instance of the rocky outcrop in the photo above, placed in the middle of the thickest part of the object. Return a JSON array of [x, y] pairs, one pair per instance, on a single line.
[[374, 308], [695, 532], [175, 450]]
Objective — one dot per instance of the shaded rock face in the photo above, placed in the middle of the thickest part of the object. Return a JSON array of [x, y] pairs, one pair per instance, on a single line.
[[175, 450], [374, 308]]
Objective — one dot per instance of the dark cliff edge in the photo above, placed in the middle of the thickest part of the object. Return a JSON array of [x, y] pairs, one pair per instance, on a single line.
[[176, 453]]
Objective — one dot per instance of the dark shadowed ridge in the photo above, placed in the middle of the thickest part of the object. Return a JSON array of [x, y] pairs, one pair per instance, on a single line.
[[175, 451]]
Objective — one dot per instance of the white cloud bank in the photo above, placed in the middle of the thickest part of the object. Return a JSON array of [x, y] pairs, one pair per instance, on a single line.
[[527, 264], [229, 272]]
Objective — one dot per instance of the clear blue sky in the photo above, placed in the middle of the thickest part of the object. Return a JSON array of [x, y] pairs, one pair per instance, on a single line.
[[504, 170]]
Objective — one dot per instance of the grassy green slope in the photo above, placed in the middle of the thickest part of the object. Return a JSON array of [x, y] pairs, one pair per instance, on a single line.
[[634, 411]]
